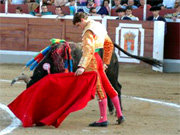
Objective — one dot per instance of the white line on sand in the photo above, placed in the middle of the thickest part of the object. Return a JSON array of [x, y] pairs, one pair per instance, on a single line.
[[154, 101], [15, 121], [8, 81]]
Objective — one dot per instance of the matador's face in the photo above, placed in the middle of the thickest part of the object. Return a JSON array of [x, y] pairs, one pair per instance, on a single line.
[[81, 24]]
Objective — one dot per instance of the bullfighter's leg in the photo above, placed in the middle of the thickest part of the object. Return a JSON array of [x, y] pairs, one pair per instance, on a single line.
[[102, 101], [110, 91], [102, 98]]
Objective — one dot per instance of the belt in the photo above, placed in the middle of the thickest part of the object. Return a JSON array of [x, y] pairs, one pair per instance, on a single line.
[[97, 50]]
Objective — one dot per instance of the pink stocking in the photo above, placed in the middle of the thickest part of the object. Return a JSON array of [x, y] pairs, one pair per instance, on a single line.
[[115, 101], [103, 110]]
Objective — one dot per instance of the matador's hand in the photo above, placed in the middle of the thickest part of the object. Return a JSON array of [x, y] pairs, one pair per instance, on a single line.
[[105, 66], [79, 71]]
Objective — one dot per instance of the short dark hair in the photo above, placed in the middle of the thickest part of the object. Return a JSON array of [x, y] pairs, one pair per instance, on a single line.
[[177, 4], [120, 10], [104, 1], [43, 5], [90, 1], [155, 8], [78, 16], [91, 9], [59, 7], [19, 8], [129, 8]]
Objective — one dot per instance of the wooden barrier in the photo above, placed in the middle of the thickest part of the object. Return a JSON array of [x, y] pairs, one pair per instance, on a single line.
[[33, 34], [29, 34], [13, 33]]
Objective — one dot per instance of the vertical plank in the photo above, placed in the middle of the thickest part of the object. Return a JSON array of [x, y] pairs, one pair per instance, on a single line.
[[64, 29], [26, 35]]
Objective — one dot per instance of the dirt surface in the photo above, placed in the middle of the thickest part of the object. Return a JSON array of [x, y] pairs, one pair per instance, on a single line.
[[142, 118]]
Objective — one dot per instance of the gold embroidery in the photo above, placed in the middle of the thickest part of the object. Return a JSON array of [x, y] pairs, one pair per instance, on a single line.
[[108, 50], [93, 67]]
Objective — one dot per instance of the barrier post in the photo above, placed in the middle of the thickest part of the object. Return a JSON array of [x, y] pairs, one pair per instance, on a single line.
[[75, 6], [110, 5], [6, 6], [40, 4], [144, 10]]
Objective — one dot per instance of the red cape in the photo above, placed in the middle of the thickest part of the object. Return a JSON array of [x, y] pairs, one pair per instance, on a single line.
[[52, 98]]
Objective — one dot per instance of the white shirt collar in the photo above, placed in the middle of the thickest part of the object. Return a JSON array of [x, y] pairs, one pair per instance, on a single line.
[[155, 18]]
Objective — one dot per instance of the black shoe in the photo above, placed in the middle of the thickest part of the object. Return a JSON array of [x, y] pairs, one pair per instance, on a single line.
[[121, 119], [101, 124], [39, 124]]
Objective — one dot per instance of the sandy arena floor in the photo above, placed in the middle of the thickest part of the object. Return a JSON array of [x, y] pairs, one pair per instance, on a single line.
[[142, 117]]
